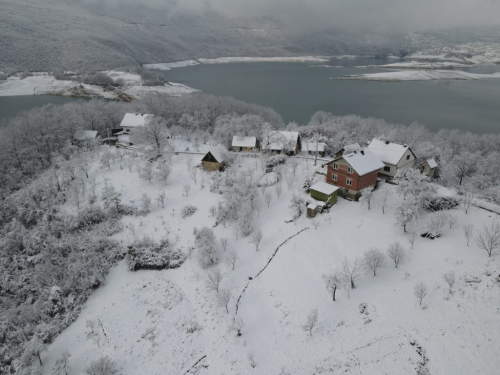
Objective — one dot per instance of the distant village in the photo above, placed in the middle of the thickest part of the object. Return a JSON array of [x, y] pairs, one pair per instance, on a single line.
[[346, 172]]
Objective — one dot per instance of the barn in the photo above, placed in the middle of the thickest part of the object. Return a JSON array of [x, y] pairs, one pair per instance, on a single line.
[[215, 159]]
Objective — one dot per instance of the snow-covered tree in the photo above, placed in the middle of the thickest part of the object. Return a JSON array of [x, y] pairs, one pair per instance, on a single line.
[[406, 212], [145, 204], [256, 238], [488, 238], [333, 281], [232, 258], [468, 232], [297, 203], [153, 138], [466, 201], [208, 254], [373, 259], [146, 171], [214, 279], [223, 299], [311, 322], [278, 189], [350, 271], [268, 197], [163, 170], [160, 199], [366, 197], [110, 197], [396, 253], [420, 291], [436, 224]]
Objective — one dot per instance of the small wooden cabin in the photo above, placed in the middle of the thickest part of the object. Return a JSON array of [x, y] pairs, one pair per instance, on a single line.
[[215, 159], [321, 191]]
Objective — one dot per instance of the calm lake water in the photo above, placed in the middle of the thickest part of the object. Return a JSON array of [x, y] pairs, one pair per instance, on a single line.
[[298, 90]]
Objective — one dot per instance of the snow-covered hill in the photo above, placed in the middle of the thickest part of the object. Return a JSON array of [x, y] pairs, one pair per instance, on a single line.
[[167, 322]]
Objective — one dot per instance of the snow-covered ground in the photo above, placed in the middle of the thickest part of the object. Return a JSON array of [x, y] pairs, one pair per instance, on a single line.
[[43, 83], [170, 65], [418, 65], [420, 75], [377, 328]]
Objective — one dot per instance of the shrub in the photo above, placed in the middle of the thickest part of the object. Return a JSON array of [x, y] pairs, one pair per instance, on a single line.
[[147, 254], [99, 79], [440, 204], [103, 366], [88, 217], [188, 210], [275, 160]]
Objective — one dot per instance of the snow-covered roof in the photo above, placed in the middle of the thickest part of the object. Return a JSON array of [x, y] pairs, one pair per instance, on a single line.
[[312, 206], [352, 147], [219, 152], [244, 141], [324, 188], [279, 139], [432, 163], [388, 152], [363, 161], [134, 120], [311, 147], [85, 135]]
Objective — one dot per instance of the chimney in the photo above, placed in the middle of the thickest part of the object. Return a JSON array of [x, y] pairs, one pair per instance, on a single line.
[[362, 152], [387, 142]]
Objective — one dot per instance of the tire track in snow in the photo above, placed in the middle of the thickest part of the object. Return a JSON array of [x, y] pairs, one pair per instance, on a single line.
[[267, 264]]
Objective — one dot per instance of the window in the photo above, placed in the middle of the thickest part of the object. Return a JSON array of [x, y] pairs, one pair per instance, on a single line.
[[348, 181], [335, 166], [407, 157], [334, 177], [387, 169], [349, 169]]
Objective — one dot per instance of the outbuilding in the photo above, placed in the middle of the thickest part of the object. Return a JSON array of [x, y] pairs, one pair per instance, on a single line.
[[428, 167], [321, 191], [285, 142], [215, 159], [247, 144], [86, 135]]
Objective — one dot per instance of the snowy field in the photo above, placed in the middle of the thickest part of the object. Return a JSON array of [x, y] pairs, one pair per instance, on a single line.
[[420, 75], [146, 318], [43, 83]]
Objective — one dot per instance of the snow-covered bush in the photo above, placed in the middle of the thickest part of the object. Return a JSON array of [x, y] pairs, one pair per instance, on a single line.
[[99, 79], [188, 210], [440, 203], [274, 160], [435, 225], [88, 217], [145, 253], [208, 254], [102, 366]]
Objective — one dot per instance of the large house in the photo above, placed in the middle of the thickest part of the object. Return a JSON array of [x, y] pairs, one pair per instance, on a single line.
[[244, 143], [394, 156], [282, 142], [353, 172], [130, 121], [215, 159]]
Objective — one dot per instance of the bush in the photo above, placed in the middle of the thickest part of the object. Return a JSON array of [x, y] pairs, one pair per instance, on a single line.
[[188, 210], [441, 204], [3, 77], [103, 366], [150, 78], [274, 160], [147, 254], [25, 74], [99, 79], [88, 217]]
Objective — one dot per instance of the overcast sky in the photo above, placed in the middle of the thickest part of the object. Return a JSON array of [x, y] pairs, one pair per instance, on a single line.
[[350, 15]]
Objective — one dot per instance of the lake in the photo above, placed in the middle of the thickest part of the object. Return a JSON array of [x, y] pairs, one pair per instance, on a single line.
[[298, 90]]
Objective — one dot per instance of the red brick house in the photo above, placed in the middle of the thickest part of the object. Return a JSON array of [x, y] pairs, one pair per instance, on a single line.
[[353, 172]]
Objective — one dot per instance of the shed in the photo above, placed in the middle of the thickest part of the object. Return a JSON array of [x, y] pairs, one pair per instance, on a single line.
[[324, 192], [428, 167], [312, 147], [312, 210], [215, 159], [244, 143], [86, 135]]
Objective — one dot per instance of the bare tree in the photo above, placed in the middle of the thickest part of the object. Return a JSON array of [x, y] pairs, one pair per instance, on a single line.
[[467, 201], [223, 242], [268, 197], [289, 179], [367, 196], [333, 281], [373, 260], [420, 291], [147, 172], [396, 253], [160, 199], [213, 280], [294, 163], [436, 224], [193, 173], [189, 161], [412, 239], [61, 365], [315, 223], [232, 258], [450, 279], [256, 238], [145, 204], [384, 202], [297, 204], [312, 320], [186, 189], [163, 170], [452, 219], [278, 189], [489, 238], [468, 232], [350, 271], [223, 298]]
